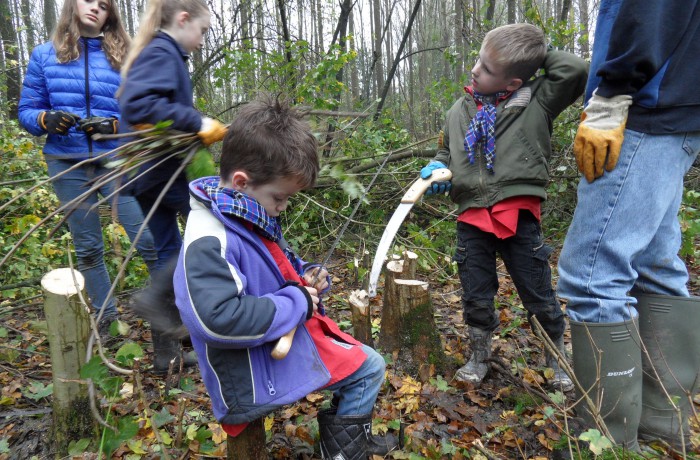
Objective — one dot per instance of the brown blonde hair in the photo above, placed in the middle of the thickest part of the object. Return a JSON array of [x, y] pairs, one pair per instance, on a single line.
[[519, 48], [66, 36], [269, 140], [159, 14]]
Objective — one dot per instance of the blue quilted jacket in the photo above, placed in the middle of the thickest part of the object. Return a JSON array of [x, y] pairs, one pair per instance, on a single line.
[[85, 87]]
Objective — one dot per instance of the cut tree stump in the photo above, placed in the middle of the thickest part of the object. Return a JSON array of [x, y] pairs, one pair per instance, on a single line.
[[250, 444], [408, 328], [68, 329], [361, 320]]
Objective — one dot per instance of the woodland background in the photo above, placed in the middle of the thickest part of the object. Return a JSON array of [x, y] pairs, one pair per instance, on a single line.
[[376, 77]]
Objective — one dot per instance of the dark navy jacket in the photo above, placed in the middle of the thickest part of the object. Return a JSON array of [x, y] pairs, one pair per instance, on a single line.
[[85, 87], [651, 51], [158, 88], [236, 303]]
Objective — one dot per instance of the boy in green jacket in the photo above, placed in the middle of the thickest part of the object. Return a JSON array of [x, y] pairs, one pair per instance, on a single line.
[[497, 143]]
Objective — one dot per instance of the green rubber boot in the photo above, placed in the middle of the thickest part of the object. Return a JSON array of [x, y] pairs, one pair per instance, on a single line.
[[670, 330], [607, 360]]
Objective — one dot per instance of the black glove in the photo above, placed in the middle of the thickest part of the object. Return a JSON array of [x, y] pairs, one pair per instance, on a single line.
[[56, 121], [99, 125]]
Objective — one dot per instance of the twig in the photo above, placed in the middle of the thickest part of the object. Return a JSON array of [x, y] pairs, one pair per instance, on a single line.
[[480, 447]]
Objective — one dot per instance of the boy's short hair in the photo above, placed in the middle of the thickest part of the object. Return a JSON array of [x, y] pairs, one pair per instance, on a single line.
[[519, 48], [268, 140]]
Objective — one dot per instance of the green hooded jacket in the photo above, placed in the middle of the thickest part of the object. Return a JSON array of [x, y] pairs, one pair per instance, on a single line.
[[523, 136]]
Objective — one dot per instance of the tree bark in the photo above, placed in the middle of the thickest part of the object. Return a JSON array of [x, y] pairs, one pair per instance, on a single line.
[[361, 319], [565, 8], [583, 38], [49, 16], [68, 325], [408, 329], [250, 444]]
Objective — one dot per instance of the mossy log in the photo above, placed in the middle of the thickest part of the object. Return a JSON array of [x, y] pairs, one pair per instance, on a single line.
[[250, 444], [408, 328], [68, 329]]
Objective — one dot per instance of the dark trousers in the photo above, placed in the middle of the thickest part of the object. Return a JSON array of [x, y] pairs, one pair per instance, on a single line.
[[526, 258], [163, 222]]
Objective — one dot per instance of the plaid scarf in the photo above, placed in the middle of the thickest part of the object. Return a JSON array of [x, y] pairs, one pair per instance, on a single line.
[[233, 203], [482, 129]]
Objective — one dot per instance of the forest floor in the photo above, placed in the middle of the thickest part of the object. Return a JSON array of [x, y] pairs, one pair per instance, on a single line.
[[512, 415]]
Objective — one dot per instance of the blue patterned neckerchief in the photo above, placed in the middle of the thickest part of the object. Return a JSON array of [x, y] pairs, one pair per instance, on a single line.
[[482, 128], [233, 203]]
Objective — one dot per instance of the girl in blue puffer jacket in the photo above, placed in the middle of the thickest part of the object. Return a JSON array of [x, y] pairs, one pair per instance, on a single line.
[[69, 94]]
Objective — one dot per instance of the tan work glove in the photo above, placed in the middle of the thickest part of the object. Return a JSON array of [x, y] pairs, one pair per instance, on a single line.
[[600, 134], [211, 131]]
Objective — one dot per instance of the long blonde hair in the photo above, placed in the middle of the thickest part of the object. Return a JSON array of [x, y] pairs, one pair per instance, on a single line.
[[67, 34], [159, 14]]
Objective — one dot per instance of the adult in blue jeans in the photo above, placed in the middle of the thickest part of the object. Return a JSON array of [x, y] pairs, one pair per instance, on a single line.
[[69, 94], [634, 327]]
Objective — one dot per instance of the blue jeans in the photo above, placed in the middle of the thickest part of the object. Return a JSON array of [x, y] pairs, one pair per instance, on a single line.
[[85, 227], [358, 392], [625, 233]]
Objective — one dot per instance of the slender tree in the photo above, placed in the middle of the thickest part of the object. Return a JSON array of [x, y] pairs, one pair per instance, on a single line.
[[397, 59], [10, 58], [49, 17]]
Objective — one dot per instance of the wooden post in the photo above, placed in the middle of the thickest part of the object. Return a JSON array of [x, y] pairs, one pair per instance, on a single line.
[[250, 444], [408, 326], [68, 326], [361, 321]]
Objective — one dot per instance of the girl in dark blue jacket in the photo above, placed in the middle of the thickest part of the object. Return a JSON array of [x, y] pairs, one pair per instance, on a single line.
[[69, 94], [156, 88]]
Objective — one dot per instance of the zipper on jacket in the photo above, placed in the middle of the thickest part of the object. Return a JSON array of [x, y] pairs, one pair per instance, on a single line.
[[87, 91], [271, 388]]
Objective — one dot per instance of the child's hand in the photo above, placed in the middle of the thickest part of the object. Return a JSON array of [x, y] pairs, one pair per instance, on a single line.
[[319, 276], [211, 131], [314, 297]]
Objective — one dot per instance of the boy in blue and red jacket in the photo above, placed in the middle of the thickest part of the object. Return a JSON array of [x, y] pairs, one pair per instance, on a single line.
[[240, 288]]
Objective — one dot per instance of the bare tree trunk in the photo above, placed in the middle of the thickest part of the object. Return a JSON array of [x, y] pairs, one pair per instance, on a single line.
[[49, 16], [319, 26], [511, 11], [377, 52], [129, 10], [286, 43], [585, 27], [354, 77], [565, 8], [460, 45], [490, 11], [10, 57], [314, 29], [341, 34], [397, 59], [260, 29], [28, 24]]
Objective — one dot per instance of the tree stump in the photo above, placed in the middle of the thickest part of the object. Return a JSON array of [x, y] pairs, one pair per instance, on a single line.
[[361, 320], [250, 444], [408, 328], [68, 324]]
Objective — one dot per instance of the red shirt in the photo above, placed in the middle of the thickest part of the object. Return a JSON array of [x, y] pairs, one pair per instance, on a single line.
[[501, 219]]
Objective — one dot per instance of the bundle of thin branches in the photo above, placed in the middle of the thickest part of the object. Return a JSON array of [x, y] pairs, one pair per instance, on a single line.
[[152, 147]]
